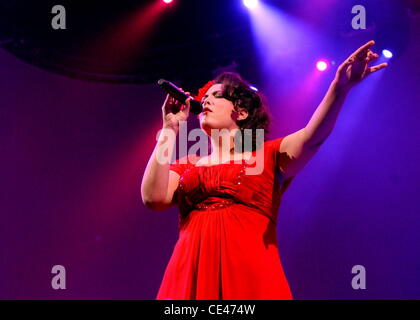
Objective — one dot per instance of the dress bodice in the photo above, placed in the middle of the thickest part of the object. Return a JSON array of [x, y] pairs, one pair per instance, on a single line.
[[230, 184]]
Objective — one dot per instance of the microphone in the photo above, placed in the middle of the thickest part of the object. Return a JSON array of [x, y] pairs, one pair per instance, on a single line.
[[177, 94]]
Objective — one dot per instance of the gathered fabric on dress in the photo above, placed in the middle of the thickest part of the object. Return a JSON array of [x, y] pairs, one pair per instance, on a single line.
[[227, 246]]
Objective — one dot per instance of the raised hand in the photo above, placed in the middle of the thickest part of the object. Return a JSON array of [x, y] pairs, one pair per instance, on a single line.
[[356, 67], [173, 112]]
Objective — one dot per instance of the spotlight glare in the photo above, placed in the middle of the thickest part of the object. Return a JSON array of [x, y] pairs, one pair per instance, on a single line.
[[321, 65], [250, 4], [387, 53], [167, 1]]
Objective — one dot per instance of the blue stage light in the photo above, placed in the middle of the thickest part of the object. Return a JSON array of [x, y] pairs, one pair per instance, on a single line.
[[387, 53], [250, 4]]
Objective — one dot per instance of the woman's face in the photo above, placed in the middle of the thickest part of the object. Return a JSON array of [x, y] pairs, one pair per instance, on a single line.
[[218, 112]]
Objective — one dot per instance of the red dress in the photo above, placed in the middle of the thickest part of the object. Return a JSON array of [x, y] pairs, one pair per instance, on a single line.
[[227, 247]]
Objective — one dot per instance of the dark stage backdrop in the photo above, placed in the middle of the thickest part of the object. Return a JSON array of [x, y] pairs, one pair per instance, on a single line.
[[72, 155]]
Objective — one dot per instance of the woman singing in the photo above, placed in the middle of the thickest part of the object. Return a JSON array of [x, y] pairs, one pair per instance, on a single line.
[[227, 246]]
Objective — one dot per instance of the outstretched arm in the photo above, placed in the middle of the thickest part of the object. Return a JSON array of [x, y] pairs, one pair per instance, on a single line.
[[349, 73], [299, 147]]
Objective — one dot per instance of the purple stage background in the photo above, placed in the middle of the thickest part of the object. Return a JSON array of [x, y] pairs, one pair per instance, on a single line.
[[73, 155]]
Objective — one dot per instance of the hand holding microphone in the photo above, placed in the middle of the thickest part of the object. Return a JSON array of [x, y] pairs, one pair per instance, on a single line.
[[180, 96], [174, 111]]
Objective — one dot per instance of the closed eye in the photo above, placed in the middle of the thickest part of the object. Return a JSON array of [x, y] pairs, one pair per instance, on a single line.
[[216, 94]]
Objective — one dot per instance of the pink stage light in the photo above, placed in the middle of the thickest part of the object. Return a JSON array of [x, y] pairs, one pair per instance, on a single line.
[[321, 65], [167, 1]]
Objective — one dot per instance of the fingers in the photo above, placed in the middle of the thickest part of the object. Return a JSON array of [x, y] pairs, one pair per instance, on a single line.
[[363, 49], [361, 53], [166, 101], [345, 64], [172, 105], [371, 56], [355, 68], [188, 94], [185, 102], [187, 105], [377, 68], [165, 106]]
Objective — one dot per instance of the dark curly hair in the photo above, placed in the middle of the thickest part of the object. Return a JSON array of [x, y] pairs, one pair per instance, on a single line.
[[242, 95]]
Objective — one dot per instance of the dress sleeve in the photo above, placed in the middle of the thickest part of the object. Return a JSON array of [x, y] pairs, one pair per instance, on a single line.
[[273, 148], [279, 160]]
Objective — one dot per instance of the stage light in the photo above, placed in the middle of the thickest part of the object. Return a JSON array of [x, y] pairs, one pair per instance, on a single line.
[[253, 88], [167, 1], [250, 4], [321, 65], [387, 54]]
